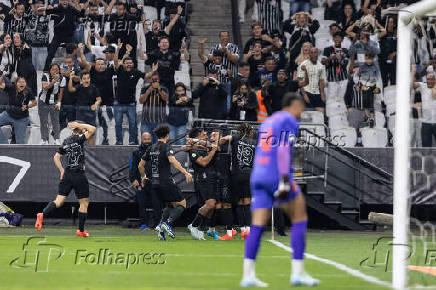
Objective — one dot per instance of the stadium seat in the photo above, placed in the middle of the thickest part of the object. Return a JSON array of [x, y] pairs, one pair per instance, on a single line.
[[338, 121], [325, 23], [99, 136], [322, 43], [182, 76], [64, 134], [310, 138], [335, 91], [380, 120], [389, 98], [33, 136], [150, 13], [345, 137], [7, 131], [378, 98], [312, 117], [337, 107], [374, 137], [34, 117], [318, 13]]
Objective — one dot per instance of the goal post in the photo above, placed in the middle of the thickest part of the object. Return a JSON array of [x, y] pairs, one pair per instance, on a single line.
[[402, 140]]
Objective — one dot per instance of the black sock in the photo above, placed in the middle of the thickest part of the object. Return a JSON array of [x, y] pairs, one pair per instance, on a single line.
[[247, 215], [212, 222], [175, 213], [198, 220], [82, 219], [166, 213], [51, 206], [227, 218], [219, 217], [206, 223], [240, 215]]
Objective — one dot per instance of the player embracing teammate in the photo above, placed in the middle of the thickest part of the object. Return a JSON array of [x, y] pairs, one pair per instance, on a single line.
[[243, 147]]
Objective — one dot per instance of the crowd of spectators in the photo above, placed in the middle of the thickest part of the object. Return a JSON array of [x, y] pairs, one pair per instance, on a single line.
[[335, 51], [347, 49], [82, 60]]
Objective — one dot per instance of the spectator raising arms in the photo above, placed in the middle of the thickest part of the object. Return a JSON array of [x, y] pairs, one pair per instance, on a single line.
[[152, 37], [300, 28], [102, 73], [165, 61], [64, 16], [15, 20], [175, 27], [37, 34], [17, 113], [269, 72], [125, 99], [87, 100], [230, 51]]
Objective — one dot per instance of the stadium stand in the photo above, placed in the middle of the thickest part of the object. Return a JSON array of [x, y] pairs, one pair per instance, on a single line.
[[367, 101]]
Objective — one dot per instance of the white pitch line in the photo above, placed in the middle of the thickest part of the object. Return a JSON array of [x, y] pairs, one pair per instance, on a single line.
[[348, 270]]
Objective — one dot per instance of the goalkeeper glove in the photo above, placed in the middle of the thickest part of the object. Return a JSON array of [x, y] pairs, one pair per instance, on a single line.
[[284, 187]]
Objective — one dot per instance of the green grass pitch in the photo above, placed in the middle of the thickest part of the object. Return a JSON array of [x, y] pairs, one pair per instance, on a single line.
[[182, 263]]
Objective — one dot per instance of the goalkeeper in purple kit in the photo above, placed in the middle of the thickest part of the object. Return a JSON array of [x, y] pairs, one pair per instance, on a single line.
[[272, 184]]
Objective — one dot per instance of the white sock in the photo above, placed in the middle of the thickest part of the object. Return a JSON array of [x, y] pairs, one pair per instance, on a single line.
[[249, 270], [297, 267], [211, 229], [229, 233]]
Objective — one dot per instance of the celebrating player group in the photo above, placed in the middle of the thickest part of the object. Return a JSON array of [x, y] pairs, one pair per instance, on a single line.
[[249, 171]]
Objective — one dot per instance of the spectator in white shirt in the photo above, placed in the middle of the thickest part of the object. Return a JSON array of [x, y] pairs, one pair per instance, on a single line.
[[313, 93], [428, 105]]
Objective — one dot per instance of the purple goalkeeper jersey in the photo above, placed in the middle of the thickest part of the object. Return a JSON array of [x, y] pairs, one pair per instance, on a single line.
[[277, 135]]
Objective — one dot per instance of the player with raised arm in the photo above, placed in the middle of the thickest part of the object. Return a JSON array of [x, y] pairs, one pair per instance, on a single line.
[[271, 183], [243, 148], [161, 156], [205, 182], [73, 176]]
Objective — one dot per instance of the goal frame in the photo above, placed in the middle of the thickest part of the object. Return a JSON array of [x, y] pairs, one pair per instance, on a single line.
[[402, 141]]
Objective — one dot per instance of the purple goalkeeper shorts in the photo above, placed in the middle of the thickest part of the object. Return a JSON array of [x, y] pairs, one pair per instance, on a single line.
[[262, 194]]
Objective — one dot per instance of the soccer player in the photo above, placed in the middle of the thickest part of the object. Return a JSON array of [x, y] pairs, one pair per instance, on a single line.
[[205, 182], [243, 148], [73, 176], [271, 183], [162, 157]]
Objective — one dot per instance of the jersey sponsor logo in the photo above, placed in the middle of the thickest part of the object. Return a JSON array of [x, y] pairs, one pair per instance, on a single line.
[[245, 155]]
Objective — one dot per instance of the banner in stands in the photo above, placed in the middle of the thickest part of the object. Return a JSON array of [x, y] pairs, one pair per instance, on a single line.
[[29, 174]]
